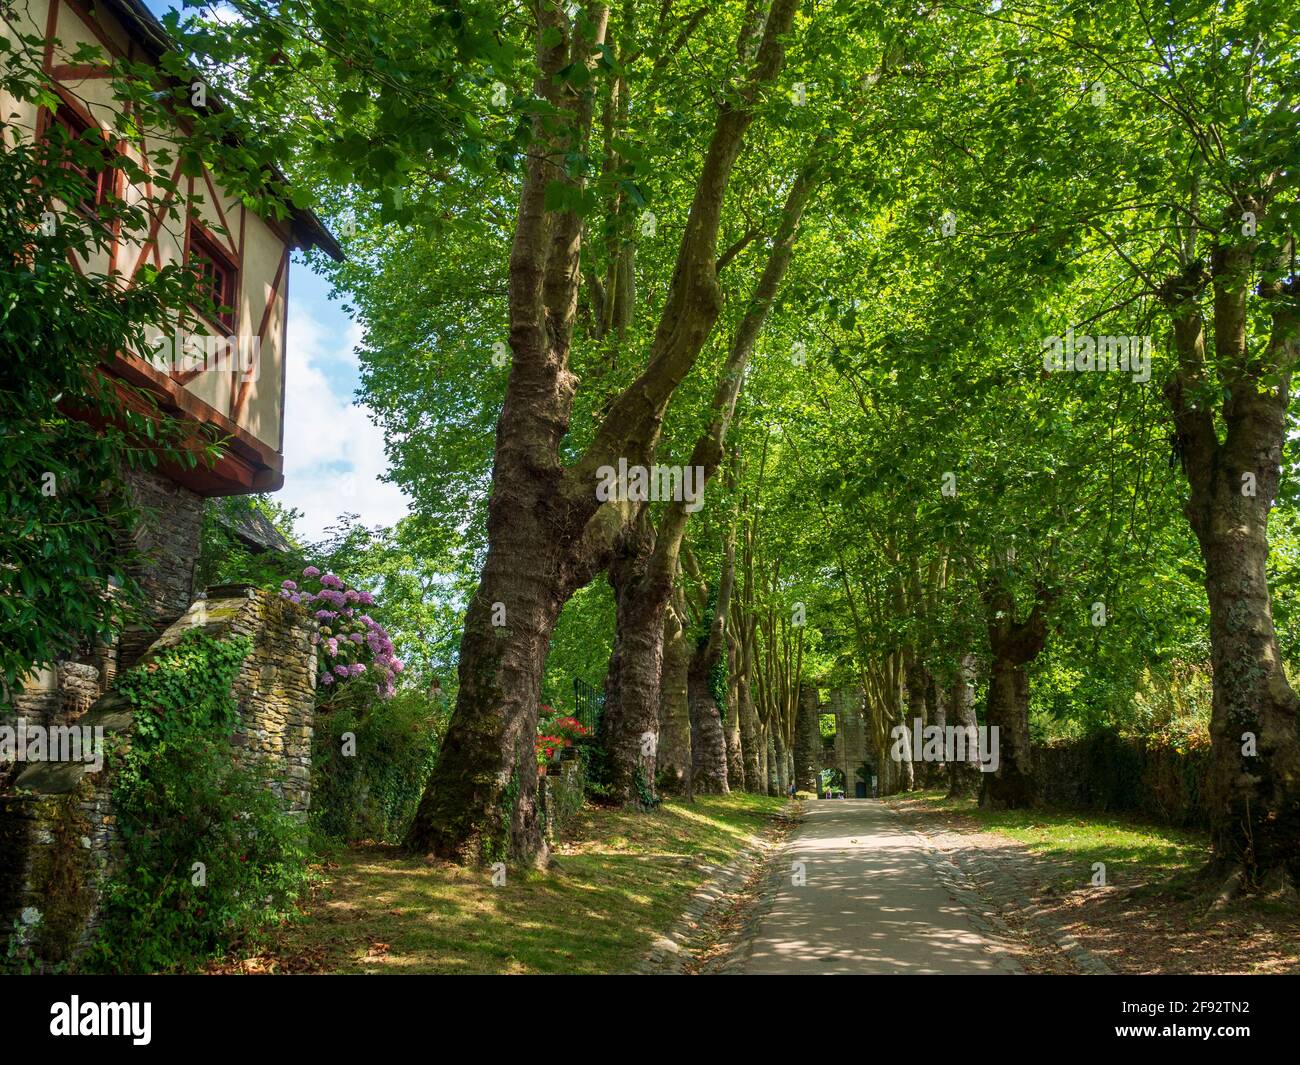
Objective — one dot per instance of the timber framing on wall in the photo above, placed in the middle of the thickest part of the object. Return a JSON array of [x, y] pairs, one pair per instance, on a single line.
[[248, 416]]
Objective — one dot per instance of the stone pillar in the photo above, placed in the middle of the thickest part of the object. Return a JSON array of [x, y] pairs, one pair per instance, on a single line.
[[807, 741]]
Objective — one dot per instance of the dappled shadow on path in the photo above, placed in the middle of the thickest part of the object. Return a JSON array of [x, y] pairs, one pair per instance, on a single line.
[[855, 893], [1037, 868]]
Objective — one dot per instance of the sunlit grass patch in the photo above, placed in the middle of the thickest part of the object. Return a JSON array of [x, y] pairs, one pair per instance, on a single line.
[[618, 880], [1130, 847]]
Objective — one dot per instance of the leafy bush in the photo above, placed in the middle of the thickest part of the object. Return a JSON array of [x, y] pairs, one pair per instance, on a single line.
[[209, 856], [372, 792], [186, 687]]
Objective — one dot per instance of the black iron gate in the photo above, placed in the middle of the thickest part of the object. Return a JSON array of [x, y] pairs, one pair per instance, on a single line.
[[588, 701]]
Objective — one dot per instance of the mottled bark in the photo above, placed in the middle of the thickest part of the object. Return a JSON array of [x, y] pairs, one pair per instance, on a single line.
[[900, 752], [674, 708], [647, 561], [629, 725], [936, 714], [752, 745], [708, 742], [964, 775], [547, 532], [918, 683], [480, 803], [731, 723], [1014, 644], [1254, 793], [776, 782]]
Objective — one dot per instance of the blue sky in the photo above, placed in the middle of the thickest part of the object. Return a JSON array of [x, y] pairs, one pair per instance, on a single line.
[[333, 452]]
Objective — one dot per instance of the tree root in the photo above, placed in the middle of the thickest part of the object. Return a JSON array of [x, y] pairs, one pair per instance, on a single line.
[[1278, 884], [1229, 888]]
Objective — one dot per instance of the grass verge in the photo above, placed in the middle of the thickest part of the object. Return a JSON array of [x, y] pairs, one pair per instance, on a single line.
[[618, 879], [1150, 917], [1076, 840]]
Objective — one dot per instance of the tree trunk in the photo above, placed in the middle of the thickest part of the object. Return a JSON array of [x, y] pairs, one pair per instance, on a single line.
[[918, 683], [548, 533], [731, 724], [674, 707], [1254, 790], [752, 746], [936, 714], [644, 570], [629, 724], [480, 804], [964, 774], [1255, 752], [1255, 766], [1014, 645], [708, 742], [776, 782], [905, 779]]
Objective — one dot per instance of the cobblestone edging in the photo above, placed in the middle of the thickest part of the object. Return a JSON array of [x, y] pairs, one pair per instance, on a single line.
[[670, 952], [959, 883]]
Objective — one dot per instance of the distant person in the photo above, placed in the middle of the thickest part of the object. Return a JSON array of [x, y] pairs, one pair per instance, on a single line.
[[791, 791]]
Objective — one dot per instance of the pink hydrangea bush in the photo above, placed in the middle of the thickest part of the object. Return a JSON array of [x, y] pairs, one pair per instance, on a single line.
[[351, 644]]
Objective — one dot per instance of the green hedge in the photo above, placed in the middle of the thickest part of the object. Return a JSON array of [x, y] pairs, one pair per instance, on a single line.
[[1147, 775], [210, 858], [369, 786]]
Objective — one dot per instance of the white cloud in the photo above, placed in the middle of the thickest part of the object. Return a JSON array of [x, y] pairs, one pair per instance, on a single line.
[[333, 452]]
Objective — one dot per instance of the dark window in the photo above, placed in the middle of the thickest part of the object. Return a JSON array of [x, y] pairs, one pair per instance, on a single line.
[[96, 172], [216, 277]]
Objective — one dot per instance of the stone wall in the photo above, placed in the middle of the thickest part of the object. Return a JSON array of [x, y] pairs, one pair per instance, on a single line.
[[275, 689], [1112, 773], [562, 792], [58, 845], [58, 836], [168, 538]]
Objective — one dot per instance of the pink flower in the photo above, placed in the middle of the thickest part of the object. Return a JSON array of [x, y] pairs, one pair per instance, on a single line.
[[288, 585], [311, 571], [342, 671]]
